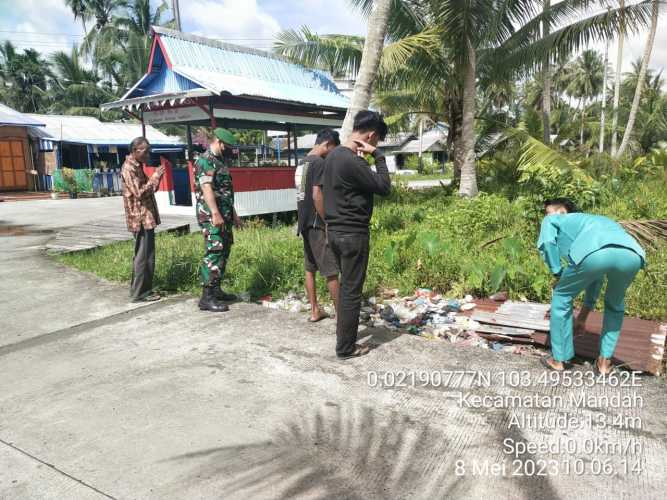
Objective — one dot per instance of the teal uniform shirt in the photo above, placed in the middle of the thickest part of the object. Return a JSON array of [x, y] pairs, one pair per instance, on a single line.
[[595, 247], [574, 237]]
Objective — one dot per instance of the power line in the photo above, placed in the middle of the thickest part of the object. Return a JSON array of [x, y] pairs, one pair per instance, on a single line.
[[40, 33]]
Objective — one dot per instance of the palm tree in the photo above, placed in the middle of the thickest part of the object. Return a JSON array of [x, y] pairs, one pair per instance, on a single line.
[[340, 55], [586, 77], [638, 91], [75, 89], [80, 10], [546, 95], [24, 76], [370, 60], [617, 85], [500, 39]]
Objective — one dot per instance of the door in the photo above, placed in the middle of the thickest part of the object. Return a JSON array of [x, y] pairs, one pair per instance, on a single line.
[[12, 165]]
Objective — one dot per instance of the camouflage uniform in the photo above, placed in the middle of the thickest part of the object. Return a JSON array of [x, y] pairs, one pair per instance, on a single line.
[[211, 169]]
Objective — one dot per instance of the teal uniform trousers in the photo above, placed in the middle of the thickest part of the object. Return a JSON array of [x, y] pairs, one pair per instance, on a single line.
[[595, 248]]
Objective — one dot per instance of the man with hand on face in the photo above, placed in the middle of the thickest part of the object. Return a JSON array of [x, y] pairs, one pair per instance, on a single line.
[[310, 209], [349, 187], [142, 217], [216, 217]]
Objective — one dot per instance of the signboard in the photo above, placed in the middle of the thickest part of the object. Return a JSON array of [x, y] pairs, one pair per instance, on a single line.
[[174, 115]]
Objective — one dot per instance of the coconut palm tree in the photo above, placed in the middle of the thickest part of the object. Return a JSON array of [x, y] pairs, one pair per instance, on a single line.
[[617, 84], [370, 60], [74, 89], [501, 39], [585, 80], [80, 10], [339, 55], [640, 83], [24, 77]]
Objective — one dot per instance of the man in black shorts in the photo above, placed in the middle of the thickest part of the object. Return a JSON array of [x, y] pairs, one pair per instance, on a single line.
[[310, 205]]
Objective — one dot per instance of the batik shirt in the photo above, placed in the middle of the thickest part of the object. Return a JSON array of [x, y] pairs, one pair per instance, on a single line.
[[138, 197], [209, 169]]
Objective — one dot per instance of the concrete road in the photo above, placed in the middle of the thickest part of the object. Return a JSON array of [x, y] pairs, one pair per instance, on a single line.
[[99, 399]]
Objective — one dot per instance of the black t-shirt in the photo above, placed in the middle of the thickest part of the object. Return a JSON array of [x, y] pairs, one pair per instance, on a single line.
[[349, 186], [313, 169]]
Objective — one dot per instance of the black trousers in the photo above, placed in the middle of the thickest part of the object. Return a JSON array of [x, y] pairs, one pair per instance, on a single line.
[[143, 266], [351, 252]]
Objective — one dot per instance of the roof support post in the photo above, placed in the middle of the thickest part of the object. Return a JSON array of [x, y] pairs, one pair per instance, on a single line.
[[211, 113], [188, 135], [289, 146], [296, 146], [143, 124]]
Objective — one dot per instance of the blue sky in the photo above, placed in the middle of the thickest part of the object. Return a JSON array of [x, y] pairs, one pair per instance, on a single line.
[[48, 25]]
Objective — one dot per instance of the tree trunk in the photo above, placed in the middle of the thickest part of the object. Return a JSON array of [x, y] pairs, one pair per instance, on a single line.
[[604, 96], [581, 128], [546, 92], [370, 60], [617, 84], [468, 186], [640, 83]]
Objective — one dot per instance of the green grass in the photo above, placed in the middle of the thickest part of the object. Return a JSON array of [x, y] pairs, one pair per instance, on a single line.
[[419, 239]]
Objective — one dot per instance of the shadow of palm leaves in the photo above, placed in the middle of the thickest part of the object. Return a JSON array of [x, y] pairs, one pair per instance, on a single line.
[[336, 453]]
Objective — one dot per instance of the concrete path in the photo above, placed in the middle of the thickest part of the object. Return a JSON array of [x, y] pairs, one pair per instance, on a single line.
[[99, 399], [427, 184]]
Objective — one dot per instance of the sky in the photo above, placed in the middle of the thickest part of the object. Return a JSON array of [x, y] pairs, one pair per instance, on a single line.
[[48, 25]]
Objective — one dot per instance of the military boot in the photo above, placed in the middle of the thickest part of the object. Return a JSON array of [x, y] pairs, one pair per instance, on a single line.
[[221, 295], [208, 302]]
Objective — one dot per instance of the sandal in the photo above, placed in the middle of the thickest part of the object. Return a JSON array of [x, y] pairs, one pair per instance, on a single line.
[[320, 318], [548, 366], [597, 371], [359, 350]]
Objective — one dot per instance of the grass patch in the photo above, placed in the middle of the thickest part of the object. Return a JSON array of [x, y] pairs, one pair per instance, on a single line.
[[419, 239]]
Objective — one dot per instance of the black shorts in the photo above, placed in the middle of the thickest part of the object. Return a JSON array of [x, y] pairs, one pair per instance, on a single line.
[[317, 255]]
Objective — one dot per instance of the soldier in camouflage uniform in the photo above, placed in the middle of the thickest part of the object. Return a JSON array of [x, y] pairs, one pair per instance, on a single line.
[[216, 217]]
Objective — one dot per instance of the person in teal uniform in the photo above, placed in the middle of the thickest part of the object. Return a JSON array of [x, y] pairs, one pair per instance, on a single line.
[[594, 248]]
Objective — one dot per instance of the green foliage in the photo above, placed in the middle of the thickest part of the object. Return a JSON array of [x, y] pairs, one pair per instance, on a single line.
[[426, 166], [418, 239]]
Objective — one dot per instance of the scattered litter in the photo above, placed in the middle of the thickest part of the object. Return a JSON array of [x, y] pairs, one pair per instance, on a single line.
[[292, 303]]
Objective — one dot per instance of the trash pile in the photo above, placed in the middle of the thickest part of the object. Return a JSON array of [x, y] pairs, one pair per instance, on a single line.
[[425, 313]]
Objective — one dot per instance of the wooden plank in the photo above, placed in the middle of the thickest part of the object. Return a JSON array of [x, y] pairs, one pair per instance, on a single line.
[[504, 330], [505, 320]]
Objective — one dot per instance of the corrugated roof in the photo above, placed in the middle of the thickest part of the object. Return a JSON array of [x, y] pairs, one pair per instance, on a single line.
[[240, 71], [89, 130], [641, 345], [9, 116], [433, 140]]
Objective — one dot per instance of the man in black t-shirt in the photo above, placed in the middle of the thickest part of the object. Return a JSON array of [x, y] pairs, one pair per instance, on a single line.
[[349, 187], [310, 207]]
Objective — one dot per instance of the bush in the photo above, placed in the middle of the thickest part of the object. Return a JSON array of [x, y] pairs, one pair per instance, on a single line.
[[418, 239]]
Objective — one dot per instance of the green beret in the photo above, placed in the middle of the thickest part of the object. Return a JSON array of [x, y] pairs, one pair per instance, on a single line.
[[225, 136]]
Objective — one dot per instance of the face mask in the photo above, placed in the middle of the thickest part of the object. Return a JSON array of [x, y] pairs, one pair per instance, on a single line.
[[227, 153]]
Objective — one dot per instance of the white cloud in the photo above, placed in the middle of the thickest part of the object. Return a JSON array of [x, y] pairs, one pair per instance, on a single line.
[[45, 25], [238, 21], [633, 49]]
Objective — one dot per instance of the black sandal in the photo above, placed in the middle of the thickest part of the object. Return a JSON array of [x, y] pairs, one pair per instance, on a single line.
[[359, 350]]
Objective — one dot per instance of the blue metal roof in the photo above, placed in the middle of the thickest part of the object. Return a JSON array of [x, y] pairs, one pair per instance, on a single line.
[[9, 116], [198, 62]]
